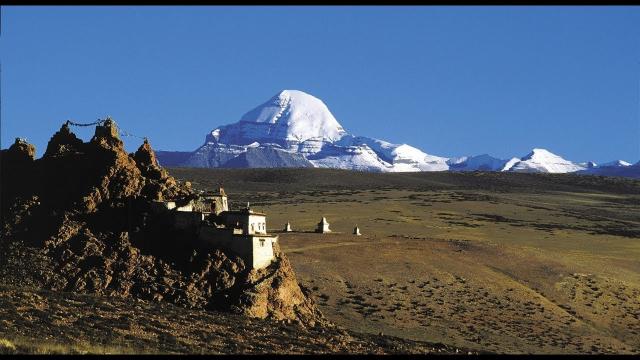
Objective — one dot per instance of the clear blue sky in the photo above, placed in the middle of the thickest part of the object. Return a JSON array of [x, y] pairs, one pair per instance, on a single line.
[[451, 81]]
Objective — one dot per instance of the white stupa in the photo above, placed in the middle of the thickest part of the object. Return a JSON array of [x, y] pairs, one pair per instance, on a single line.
[[323, 226]]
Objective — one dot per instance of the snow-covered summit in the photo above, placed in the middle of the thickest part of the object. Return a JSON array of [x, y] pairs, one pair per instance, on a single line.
[[289, 117], [295, 122], [305, 114], [542, 160]]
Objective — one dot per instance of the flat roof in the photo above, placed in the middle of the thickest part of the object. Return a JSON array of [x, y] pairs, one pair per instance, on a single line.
[[256, 235], [243, 212]]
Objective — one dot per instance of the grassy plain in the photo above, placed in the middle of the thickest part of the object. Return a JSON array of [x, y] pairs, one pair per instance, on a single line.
[[34, 321], [513, 263]]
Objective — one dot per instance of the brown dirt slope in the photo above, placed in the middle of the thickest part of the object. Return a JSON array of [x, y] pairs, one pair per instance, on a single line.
[[67, 323]]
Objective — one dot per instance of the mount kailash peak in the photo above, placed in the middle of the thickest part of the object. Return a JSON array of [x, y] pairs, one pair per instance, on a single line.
[[296, 129]]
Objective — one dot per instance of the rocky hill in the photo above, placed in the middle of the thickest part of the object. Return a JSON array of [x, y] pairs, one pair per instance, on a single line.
[[78, 220]]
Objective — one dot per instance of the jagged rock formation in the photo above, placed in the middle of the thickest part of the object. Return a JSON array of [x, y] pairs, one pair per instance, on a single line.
[[78, 219], [16, 167]]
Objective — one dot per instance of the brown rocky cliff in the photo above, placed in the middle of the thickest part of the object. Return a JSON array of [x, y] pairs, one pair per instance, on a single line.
[[80, 176], [86, 223], [274, 292], [17, 173], [145, 156], [147, 163], [62, 142], [21, 150]]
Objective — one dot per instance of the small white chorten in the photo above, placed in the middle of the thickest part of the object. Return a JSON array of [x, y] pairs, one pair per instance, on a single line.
[[356, 231], [287, 227], [323, 226]]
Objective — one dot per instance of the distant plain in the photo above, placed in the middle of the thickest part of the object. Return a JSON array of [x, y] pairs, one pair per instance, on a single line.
[[500, 262]]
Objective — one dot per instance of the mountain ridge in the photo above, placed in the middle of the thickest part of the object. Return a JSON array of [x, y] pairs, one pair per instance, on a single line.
[[296, 129]]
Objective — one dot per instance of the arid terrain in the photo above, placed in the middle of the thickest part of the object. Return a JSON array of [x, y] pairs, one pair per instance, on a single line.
[[45, 322], [507, 263], [447, 262], [88, 266]]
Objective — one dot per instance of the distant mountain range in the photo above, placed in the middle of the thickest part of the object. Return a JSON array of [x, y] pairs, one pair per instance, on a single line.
[[295, 129]]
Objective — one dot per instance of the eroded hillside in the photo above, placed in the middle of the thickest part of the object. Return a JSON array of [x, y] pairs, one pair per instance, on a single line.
[[78, 220]]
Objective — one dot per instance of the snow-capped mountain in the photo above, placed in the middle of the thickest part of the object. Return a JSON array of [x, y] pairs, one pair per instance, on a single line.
[[295, 129], [301, 130], [614, 168], [289, 118], [541, 160]]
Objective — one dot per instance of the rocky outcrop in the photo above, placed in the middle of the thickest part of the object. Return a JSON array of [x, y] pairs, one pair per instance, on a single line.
[[274, 293], [63, 142], [82, 214], [17, 174], [21, 151]]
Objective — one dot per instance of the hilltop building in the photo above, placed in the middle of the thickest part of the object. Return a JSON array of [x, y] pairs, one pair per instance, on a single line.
[[243, 232]]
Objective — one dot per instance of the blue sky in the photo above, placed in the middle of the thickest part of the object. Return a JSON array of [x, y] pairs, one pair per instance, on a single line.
[[451, 81]]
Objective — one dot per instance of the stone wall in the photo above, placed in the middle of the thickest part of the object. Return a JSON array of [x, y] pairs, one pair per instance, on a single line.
[[263, 252], [255, 250], [224, 239]]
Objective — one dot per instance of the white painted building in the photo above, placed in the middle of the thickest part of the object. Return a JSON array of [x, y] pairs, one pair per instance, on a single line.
[[243, 232], [249, 221]]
